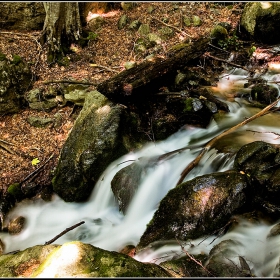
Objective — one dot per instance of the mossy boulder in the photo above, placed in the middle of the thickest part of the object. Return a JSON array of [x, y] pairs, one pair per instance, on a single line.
[[261, 21], [74, 259], [15, 79], [197, 207], [93, 143], [22, 15], [260, 161]]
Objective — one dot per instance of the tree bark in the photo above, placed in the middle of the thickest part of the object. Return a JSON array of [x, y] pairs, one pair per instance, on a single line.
[[62, 26], [126, 83]]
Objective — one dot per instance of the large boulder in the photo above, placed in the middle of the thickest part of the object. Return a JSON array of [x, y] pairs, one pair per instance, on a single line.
[[260, 161], [74, 259], [94, 142], [22, 15], [15, 79], [261, 21], [197, 207]]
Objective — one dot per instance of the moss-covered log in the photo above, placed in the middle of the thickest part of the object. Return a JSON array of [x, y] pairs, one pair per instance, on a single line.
[[129, 83]]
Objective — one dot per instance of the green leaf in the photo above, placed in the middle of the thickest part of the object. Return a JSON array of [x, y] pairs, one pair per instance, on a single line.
[[35, 161]]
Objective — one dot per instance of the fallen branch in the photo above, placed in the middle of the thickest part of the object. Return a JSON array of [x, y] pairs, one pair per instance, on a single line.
[[193, 259], [228, 62], [171, 26], [69, 82], [209, 145], [63, 232]]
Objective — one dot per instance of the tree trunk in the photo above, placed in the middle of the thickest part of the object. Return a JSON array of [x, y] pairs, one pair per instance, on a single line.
[[62, 26], [129, 83]]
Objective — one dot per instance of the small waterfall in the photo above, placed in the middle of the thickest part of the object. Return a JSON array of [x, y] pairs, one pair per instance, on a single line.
[[107, 228]]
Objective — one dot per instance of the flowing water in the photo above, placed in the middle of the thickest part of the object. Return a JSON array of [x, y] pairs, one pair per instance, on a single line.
[[106, 228]]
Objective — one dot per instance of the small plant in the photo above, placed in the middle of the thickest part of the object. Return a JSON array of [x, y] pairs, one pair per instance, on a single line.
[[251, 51], [92, 36], [231, 43]]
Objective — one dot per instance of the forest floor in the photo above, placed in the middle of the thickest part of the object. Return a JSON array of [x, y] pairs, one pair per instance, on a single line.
[[101, 59]]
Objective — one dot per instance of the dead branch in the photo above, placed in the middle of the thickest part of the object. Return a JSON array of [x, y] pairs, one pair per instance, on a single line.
[[35, 172], [228, 62], [171, 26], [68, 82], [193, 259], [209, 145], [63, 232]]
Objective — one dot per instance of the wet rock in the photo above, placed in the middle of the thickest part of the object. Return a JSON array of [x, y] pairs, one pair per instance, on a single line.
[[260, 162], [264, 94], [126, 181], [197, 207], [74, 259], [224, 262], [16, 225], [93, 143], [186, 267], [255, 159]]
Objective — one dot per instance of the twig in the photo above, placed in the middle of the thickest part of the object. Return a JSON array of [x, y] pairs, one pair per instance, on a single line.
[[63, 232], [36, 170], [177, 29], [69, 82], [208, 146], [228, 62], [104, 67], [215, 47], [220, 230], [278, 135], [193, 259], [7, 142], [4, 146]]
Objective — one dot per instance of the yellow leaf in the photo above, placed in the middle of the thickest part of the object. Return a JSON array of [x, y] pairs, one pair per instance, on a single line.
[[35, 161]]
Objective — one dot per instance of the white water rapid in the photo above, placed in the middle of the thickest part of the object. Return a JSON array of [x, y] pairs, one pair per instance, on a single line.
[[106, 228]]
